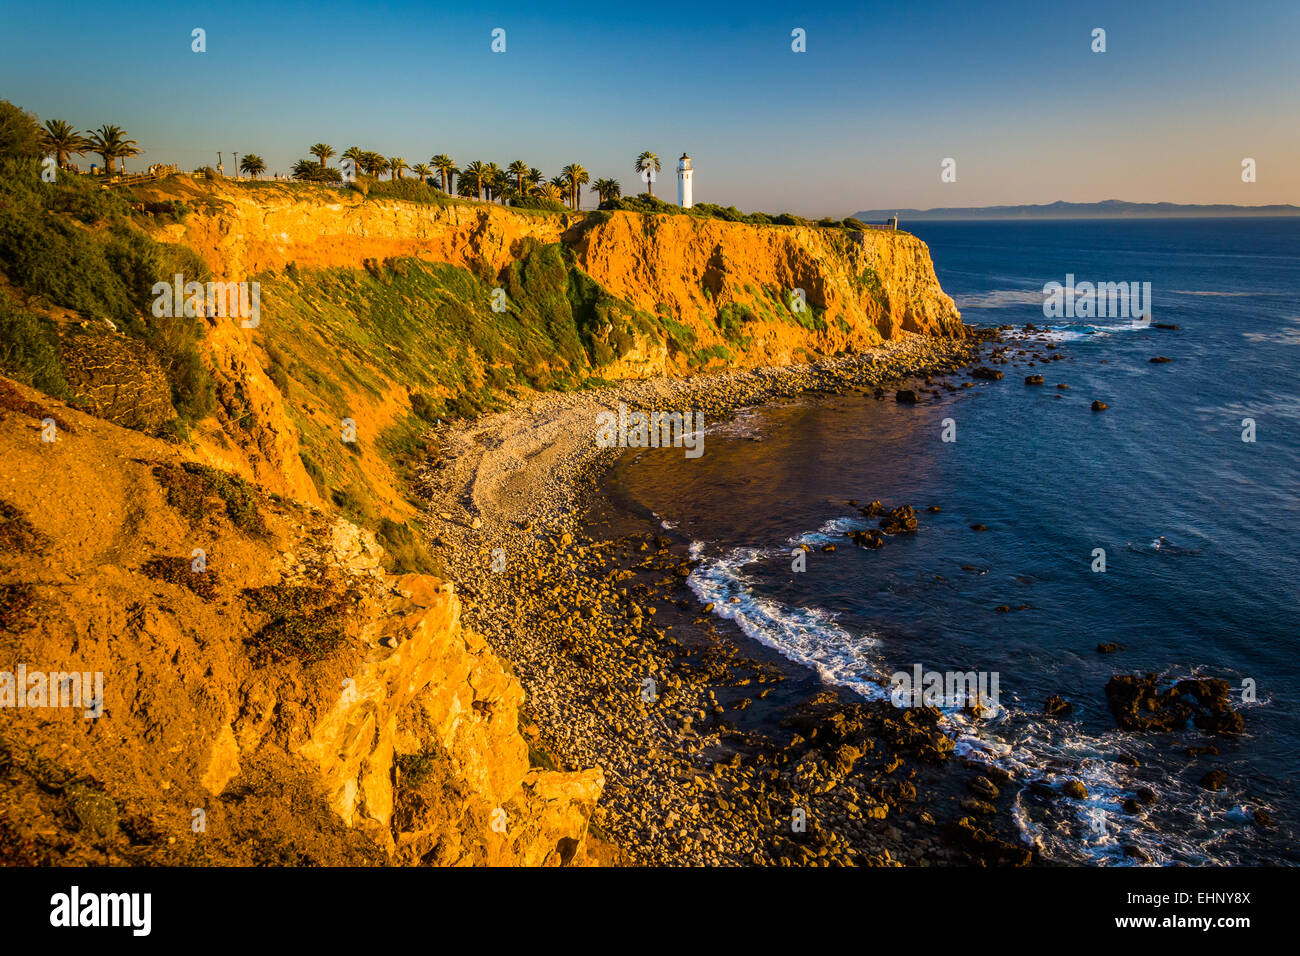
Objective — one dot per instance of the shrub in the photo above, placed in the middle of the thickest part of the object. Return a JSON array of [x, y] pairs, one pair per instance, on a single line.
[[404, 549], [106, 273], [20, 132], [407, 190], [538, 202], [29, 350]]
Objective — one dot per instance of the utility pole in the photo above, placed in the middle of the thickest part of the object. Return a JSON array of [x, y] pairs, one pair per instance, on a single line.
[[220, 169], [236, 155]]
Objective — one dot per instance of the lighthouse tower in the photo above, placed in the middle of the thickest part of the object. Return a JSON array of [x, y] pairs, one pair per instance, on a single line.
[[684, 173]]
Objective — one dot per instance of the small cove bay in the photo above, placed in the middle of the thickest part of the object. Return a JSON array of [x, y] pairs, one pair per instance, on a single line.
[[1195, 526]]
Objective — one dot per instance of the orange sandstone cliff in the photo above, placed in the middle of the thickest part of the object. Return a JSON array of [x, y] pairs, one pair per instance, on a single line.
[[271, 693]]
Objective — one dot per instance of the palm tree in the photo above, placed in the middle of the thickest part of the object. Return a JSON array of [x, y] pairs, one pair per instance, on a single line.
[[322, 151], [397, 164], [475, 175], [534, 178], [575, 178], [252, 164], [370, 161], [111, 143], [648, 161], [355, 153], [445, 165], [607, 189], [518, 169], [493, 181], [550, 191], [382, 165], [423, 170], [63, 141]]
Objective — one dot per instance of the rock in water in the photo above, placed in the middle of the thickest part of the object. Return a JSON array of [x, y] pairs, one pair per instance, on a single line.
[[899, 521], [1057, 705], [1214, 780], [1138, 704], [1099, 406], [1075, 789]]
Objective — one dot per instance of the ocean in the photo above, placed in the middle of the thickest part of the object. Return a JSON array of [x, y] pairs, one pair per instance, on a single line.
[[1197, 528]]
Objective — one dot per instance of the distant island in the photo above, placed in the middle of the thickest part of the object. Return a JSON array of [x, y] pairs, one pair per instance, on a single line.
[[1107, 209]]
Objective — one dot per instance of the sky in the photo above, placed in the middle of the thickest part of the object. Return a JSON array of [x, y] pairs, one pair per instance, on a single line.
[[863, 119]]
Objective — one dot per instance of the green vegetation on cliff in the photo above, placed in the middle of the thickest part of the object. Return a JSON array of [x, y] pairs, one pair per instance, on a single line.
[[417, 342], [77, 270]]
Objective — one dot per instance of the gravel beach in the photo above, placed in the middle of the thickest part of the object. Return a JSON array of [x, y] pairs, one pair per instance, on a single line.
[[624, 669]]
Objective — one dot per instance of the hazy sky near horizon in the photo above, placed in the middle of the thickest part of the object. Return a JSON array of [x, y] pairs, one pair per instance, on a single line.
[[862, 120]]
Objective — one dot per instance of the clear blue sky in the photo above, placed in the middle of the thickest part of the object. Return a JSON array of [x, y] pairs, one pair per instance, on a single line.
[[863, 119]]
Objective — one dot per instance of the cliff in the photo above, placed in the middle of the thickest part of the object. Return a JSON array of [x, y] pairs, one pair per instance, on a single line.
[[386, 313], [269, 694], [282, 659]]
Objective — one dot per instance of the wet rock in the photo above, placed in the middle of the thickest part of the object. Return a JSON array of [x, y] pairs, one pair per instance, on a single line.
[[1033, 380], [1109, 648], [1136, 853], [1138, 703], [986, 373], [978, 527], [1062, 386], [905, 396], [1099, 406], [1263, 819], [899, 521], [1075, 789], [1164, 325], [1214, 780], [866, 538], [1057, 706], [979, 807], [1146, 795], [983, 787], [1159, 359]]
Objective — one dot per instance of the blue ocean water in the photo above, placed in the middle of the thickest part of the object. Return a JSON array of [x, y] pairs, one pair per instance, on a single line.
[[1198, 527]]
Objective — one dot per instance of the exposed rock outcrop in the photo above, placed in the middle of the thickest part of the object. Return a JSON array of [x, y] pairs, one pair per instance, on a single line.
[[269, 693]]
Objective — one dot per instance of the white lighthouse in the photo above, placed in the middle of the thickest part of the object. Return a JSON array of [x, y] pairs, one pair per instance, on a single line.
[[684, 173]]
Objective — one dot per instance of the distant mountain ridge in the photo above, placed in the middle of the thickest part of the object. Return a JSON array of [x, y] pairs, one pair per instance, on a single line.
[[1107, 209]]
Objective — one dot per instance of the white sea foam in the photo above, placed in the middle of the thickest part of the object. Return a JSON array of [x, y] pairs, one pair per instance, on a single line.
[[1075, 332], [1049, 751], [807, 636]]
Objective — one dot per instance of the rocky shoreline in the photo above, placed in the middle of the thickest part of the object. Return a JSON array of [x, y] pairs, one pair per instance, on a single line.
[[623, 669]]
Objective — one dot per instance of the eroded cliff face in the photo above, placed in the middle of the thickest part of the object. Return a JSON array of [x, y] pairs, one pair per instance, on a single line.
[[269, 693], [862, 287], [706, 293], [244, 230], [854, 289]]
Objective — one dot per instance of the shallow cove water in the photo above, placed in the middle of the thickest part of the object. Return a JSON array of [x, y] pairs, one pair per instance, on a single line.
[[1198, 528]]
